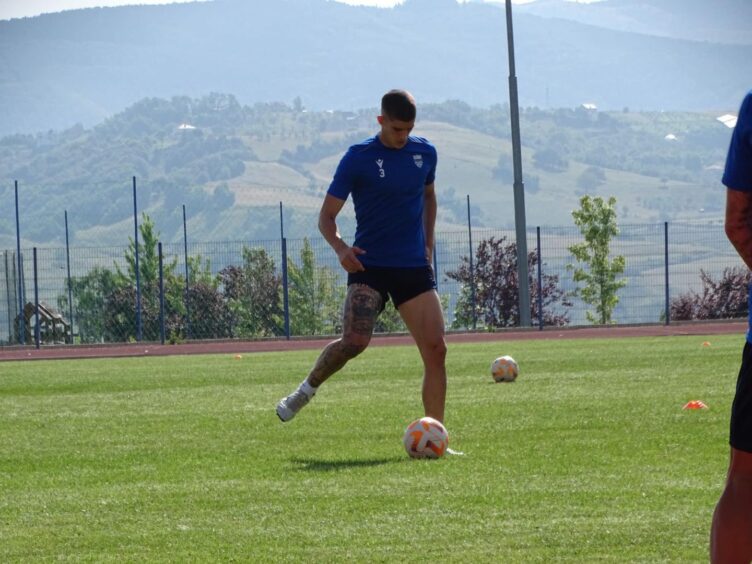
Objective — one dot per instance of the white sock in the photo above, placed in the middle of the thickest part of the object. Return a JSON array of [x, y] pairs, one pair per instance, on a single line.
[[307, 389]]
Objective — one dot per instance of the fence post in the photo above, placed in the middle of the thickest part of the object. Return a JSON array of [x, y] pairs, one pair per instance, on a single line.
[[285, 289], [665, 252], [187, 287], [7, 295], [139, 328], [540, 281], [70, 284], [21, 325], [472, 269], [36, 300], [161, 297], [281, 223]]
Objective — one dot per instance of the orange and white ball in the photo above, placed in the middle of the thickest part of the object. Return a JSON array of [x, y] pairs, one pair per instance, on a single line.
[[504, 369], [426, 438]]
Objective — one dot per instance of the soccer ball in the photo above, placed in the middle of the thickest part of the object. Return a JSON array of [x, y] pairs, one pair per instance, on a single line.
[[426, 438], [504, 369]]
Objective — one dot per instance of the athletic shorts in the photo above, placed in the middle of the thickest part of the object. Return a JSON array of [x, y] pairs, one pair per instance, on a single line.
[[399, 284], [741, 409]]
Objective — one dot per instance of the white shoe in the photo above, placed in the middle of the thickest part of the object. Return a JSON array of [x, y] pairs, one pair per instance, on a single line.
[[288, 407]]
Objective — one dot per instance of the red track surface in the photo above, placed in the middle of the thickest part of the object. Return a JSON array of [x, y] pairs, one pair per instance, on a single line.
[[239, 347]]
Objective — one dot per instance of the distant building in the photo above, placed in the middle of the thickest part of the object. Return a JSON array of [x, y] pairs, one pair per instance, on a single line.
[[670, 137], [184, 126], [590, 107], [729, 120]]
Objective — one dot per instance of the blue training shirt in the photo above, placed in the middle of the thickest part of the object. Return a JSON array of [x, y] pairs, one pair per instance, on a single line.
[[738, 172], [388, 188]]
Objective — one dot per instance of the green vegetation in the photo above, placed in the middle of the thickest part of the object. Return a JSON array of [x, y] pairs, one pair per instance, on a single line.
[[241, 301], [725, 298], [315, 296], [587, 457], [231, 166], [596, 219], [489, 291]]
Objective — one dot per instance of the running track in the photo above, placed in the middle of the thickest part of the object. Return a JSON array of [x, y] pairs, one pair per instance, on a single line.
[[238, 347]]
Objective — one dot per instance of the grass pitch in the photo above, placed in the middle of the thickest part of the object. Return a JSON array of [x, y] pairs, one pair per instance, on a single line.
[[587, 457]]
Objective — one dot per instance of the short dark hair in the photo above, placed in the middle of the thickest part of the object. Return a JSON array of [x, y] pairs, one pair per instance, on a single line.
[[399, 104]]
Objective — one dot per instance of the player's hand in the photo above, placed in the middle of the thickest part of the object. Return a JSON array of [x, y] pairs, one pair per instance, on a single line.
[[429, 255], [348, 258]]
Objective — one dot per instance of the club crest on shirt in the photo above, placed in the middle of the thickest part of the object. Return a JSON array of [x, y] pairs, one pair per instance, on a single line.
[[418, 159]]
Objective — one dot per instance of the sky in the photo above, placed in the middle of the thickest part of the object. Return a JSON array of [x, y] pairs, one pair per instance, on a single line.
[[27, 8]]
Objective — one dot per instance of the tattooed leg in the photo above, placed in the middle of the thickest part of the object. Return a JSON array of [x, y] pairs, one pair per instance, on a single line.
[[362, 307]]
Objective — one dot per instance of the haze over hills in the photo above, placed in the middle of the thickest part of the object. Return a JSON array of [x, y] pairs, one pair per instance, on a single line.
[[83, 66], [726, 21]]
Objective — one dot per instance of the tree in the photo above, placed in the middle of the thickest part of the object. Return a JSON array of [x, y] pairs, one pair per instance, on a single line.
[[591, 178], [89, 294], [497, 288], [596, 219], [504, 170], [148, 267], [722, 299], [315, 298], [210, 316], [104, 301], [253, 292], [550, 159]]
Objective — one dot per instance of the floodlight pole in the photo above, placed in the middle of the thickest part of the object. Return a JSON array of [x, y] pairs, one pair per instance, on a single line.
[[519, 187]]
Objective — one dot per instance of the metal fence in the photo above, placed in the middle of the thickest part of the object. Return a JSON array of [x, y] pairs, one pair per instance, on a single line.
[[294, 287]]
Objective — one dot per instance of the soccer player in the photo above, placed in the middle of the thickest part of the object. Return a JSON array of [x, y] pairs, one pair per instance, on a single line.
[[731, 531], [391, 180]]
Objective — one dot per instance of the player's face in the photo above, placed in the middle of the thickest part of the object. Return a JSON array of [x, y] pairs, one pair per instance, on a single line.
[[394, 132]]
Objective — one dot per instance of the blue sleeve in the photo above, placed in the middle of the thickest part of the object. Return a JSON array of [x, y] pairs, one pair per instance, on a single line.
[[738, 172], [344, 177], [432, 172]]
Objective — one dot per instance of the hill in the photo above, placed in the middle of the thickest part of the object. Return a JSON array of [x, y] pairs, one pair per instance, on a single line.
[[725, 21], [231, 165], [84, 66]]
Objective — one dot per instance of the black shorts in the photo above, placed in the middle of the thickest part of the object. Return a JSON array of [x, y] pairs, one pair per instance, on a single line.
[[741, 409], [399, 284]]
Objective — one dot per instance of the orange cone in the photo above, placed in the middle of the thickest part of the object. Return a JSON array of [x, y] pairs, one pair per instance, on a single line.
[[695, 404], [706, 343], [238, 356]]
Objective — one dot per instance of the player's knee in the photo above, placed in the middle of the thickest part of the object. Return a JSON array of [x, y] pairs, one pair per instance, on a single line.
[[437, 350]]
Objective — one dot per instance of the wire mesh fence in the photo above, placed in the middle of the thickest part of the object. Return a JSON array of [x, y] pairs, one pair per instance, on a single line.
[[296, 287]]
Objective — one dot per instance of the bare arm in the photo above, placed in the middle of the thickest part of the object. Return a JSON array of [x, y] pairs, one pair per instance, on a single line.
[[429, 219], [328, 226], [739, 223]]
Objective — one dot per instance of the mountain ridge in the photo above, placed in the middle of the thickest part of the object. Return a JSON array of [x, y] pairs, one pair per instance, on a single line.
[[86, 65]]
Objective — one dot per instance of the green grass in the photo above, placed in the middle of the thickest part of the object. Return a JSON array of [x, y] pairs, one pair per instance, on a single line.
[[587, 457]]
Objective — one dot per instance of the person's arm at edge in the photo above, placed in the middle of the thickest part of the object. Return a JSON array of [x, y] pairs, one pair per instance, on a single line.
[[738, 223], [328, 228], [430, 207]]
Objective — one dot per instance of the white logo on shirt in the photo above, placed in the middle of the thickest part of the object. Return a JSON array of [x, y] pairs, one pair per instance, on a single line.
[[380, 163], [418, 159]]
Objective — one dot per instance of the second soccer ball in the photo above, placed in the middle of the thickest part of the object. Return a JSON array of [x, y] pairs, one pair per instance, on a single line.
[[504, 369]]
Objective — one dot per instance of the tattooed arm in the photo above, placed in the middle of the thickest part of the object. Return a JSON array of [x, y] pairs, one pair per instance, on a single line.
[[739, 223]]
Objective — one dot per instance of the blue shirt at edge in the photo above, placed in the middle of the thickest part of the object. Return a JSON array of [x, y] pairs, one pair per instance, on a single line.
[[738, 172]]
